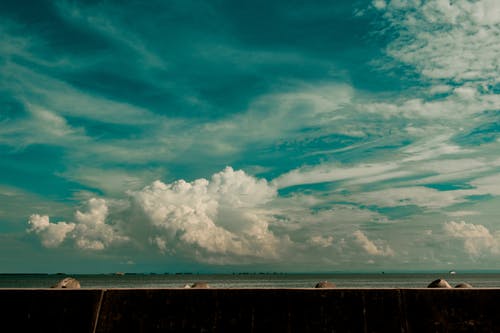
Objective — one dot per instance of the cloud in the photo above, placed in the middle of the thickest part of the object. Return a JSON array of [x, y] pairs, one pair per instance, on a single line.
[[230, 218], [280, 116], [377, 248], [463, 213], [487, 185], [436, 147], [379, 4], [51, 234], [117, 180], [213, 220], [406, 196], [99, 19], [89, 231], [321, 241], [477, 238], [220, 217], [447, 40], [328, 173]]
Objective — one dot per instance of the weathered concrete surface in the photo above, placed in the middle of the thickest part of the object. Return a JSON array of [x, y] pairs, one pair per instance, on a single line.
[[452, 310], [250, 310], [246, 310], [48, 310]]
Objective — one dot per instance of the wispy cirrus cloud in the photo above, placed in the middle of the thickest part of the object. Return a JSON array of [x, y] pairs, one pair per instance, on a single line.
[[442, 39]]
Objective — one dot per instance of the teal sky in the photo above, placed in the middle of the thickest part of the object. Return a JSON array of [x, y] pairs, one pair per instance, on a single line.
[[220, 136]]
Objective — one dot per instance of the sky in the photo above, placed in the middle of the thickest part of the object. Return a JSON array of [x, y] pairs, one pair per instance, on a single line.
[[249, 136]]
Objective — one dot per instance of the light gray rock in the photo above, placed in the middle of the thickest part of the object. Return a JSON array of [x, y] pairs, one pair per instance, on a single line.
[[439, 283], [325, 284], [69, 283], [200, 285], [463, 285]]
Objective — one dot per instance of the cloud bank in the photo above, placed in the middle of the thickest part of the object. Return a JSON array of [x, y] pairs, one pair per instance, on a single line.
[[232, 218], [478, 240], [213, 220], [89, 230]]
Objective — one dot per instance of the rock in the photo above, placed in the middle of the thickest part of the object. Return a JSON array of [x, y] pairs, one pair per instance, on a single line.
[[325, 284], [69, 282], [200, 285], [463, 285], [439, 283]]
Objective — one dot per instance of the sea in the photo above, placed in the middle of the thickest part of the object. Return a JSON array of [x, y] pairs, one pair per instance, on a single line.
[[263, 280]]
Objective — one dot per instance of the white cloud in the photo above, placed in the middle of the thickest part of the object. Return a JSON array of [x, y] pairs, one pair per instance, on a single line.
[[279, 116], [99, 19], [221, 217], [428, 149], [477, 238], [88, 231], [378, 248], [320, 241], [213, 220], [50, 124], [91, 231], [329, 173], [463, 213], [112, 181], [440, 89], [379, 4], [231, 218], [487, 185], [51, 234], [454, 108], [414, 195], [447, 40]]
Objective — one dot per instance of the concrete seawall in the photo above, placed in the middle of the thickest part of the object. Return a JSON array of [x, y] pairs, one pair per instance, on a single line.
[[250, 310]]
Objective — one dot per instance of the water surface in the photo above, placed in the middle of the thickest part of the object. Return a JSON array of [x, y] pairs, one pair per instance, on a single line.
[[420, 280]]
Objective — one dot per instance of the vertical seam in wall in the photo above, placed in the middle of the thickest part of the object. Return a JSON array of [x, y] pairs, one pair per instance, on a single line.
[[402, 311], [365, 323], [98, 311]]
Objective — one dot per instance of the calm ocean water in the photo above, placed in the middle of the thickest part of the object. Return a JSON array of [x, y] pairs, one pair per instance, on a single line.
[[250, 280]]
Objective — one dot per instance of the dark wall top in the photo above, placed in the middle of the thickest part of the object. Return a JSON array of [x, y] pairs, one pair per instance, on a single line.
[[250, 310]]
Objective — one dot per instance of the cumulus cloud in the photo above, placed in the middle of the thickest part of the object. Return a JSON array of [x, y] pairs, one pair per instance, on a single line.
[[377, 248], [230, 218], [214, 220], [477, 238], [51, 234], [88, 231], [321, 241], [91, 231], [221, 216]]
